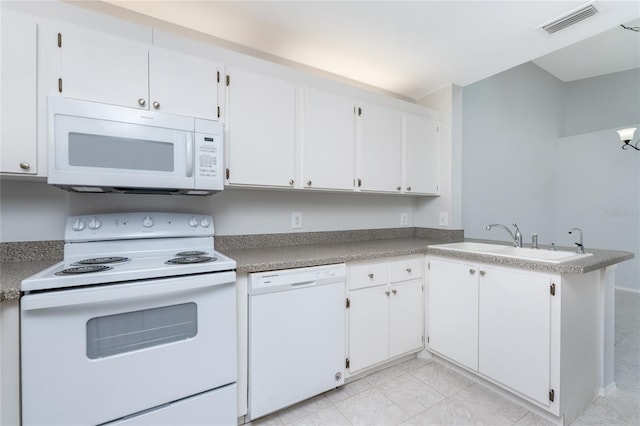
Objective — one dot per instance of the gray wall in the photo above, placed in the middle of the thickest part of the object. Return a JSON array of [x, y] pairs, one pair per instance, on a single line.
[[509, 143], [545, 154]]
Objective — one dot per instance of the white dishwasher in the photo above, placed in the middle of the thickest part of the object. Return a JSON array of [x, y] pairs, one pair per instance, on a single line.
[[296, 335]]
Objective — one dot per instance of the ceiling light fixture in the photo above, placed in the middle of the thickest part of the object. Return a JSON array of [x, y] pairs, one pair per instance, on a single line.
[[626, 135]]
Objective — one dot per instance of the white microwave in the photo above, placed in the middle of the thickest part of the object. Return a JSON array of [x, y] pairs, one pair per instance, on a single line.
[[105, 148]]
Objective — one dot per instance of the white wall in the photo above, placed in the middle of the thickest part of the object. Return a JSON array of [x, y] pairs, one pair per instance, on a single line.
[[34, 211], [448, 103], [509, 132]]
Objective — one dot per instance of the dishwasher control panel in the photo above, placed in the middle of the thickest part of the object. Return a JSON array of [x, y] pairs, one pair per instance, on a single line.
[[296, 278]]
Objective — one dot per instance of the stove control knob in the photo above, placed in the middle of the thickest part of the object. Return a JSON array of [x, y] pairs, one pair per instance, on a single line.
[[205, 223], [147, 222], [193, 222], [78, 225], [95, 224]]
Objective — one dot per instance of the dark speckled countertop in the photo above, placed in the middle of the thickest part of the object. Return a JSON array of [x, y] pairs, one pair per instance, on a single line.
[[269, 252]]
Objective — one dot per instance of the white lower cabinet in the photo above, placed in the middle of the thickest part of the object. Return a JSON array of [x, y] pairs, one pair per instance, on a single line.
[[496, 321], [385, 310]]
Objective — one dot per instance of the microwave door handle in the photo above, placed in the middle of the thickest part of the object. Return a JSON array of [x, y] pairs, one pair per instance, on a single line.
[[189, 154]]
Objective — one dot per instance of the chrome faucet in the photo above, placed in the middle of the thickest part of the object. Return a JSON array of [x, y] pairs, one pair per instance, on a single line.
[[517, 238], [580, 245]]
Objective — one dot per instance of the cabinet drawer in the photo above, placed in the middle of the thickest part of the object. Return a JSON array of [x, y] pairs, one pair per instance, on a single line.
[[407, 269], [367, 275]]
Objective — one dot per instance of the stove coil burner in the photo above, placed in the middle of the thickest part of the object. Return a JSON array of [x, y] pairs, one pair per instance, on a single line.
[[83, 269], [191, 253], [102, 260], [185, 260]]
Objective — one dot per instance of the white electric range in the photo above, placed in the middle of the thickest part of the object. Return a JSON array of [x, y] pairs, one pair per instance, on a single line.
[[137, 325]]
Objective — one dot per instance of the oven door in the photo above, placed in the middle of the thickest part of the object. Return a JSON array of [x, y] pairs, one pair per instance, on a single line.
[[97, 354]]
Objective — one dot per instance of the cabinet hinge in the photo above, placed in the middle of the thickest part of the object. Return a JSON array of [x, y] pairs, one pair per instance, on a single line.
[[348, 303], [422, 339], [552, 289], [226, 173], [228, 80], [60, 85], [438, 129], [346, 363], [359, 111], [218, 112], [59, 39], [428, 265], [218, 76], [552, 395], [427, 339], [359, 183]]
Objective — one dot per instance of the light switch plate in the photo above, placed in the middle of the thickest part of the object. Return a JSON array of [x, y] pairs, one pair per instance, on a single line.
[[296, 220], [444, 219], [404, 219]]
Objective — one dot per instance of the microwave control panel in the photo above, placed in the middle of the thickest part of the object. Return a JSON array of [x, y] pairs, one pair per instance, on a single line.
[[208, 161]]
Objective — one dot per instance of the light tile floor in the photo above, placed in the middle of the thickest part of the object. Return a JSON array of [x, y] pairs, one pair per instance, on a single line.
[[424, 392]]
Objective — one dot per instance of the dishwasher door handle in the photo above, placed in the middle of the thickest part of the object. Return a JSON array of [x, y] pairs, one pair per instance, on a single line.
[[304, 284]]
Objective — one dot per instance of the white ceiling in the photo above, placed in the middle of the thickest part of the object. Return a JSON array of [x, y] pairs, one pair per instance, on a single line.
[[411, 48]]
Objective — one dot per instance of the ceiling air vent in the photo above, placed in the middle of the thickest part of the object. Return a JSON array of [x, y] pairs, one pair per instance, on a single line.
[[570, 19]]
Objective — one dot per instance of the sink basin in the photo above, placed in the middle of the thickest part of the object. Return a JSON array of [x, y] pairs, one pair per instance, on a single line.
[[539, 255]]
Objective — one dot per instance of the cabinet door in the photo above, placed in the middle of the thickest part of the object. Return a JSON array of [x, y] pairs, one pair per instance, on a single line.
[[261, 130], [328, 138], [405, 318], [368, 327], [453, 311], [380, 146], [422, 155], [100, 68], [181, 84], [514, 330], [18, 139]]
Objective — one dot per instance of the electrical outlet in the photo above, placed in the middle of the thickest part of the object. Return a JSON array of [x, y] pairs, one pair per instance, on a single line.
[[444, 219], [296, 220], [404, 220]]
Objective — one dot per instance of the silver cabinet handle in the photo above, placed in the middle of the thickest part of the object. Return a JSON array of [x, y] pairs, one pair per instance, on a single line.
[[308, 183], [141, 102], [290, 181], [370, 276], [408, 188], [156, 105], [394, 291], [387, 292], [398, 188], [472, 271], [408, 270], [483, 273], [25, 166]]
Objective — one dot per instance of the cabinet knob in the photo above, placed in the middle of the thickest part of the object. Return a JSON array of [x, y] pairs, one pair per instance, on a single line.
[[408, 188], [308, 183], [370, 276], [387, 292], [483, 273], [142, 102], [408, 270], [290, 181], [394, 291], [398, 188], [25, 166], [156, 104], [472, 271]]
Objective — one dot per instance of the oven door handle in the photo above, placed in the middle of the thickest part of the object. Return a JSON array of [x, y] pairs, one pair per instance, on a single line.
[[116, 293]]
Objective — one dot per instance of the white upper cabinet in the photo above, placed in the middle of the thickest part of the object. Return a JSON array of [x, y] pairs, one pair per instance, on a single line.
[[261, 130], [100, 68], [18, 138], [379, 148], [422, 155], [185, 85], [328, 135]]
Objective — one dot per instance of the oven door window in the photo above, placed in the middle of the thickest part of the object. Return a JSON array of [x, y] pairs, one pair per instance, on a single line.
[[131, 331]]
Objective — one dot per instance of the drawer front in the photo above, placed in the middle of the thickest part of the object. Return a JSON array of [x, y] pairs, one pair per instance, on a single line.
[[406, 269], [367, 275]]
